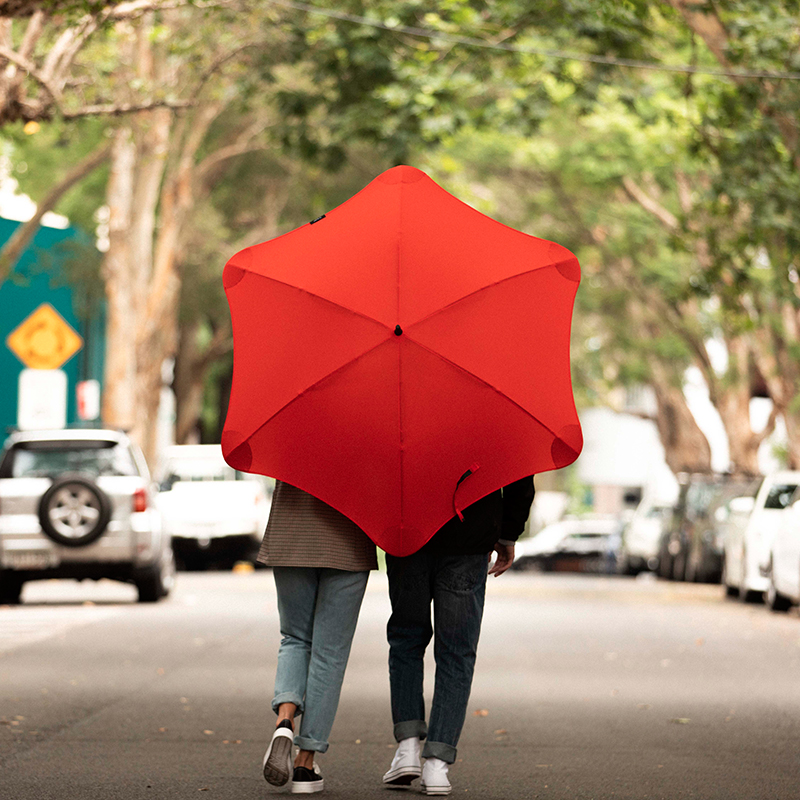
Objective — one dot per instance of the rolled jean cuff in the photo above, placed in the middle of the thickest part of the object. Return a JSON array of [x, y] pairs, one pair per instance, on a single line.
[[304, 743], [446, 752], [287, 697], [410, 728]]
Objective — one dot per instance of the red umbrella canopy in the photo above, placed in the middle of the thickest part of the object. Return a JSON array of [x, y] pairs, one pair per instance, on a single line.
[[401, 357]]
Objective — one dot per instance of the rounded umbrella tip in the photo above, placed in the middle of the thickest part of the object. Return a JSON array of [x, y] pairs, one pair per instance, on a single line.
[[401, 174]]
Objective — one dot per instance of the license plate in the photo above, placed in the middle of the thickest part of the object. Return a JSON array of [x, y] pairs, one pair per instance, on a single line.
[[29, 560]]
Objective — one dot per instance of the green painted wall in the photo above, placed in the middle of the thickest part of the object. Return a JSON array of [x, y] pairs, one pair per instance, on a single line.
[[59, 267]]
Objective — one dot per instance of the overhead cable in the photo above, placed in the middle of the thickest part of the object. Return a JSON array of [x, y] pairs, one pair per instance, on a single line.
[[470, 41]]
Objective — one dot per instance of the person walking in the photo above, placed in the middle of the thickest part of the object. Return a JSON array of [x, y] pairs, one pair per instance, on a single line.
[[320, 561], [449, 572]]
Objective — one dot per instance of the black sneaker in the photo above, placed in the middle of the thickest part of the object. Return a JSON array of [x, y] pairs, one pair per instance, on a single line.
[[277, 765], [307, 781]]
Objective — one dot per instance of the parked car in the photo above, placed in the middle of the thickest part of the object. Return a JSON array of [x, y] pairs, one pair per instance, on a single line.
[[571, 545], [212, 512], [691, 547], [77, 504], [749, 526], [641, 537], [783, 564]]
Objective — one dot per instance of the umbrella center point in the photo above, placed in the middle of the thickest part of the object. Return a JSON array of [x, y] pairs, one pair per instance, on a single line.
[[398, 331]]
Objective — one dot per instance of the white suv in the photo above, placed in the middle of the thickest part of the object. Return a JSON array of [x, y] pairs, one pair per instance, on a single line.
[[77, 504]]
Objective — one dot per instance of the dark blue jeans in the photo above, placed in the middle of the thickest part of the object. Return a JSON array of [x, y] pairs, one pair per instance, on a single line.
[[456, 586]]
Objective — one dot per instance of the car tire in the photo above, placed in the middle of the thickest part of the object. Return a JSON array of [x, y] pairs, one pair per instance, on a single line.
[[74, 511], [730, 591], [747, 595], [156, 582], [775, 600], [10, 588]]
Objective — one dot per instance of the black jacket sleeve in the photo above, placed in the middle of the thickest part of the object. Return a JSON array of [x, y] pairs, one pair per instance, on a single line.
[[517, 499]]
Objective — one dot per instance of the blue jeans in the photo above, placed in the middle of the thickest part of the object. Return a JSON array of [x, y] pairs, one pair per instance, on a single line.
[[456, 585], [318, 611]]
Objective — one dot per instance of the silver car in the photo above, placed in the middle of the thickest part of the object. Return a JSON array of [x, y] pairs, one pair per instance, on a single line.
[[78, 504]]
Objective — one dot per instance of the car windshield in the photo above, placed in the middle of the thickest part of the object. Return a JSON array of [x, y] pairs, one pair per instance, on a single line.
[[48, 459], [780, 495]]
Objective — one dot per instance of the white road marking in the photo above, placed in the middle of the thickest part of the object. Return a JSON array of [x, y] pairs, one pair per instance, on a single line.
[[21, 626]]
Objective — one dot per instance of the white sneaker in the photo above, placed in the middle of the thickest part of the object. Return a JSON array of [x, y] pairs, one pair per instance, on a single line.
[[277, 764], [434, 777], [406, 765]]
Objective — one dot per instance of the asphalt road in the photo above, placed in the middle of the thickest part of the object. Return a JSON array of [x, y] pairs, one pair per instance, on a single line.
[[586, 687]]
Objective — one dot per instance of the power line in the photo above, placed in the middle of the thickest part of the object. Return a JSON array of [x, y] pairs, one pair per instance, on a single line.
[[427, 33]]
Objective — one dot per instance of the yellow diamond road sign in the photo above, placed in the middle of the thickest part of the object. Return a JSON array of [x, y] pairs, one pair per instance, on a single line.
[[44, 340]]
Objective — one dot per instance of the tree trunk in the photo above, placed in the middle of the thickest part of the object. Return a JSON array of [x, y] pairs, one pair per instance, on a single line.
[[119, 396], [686, 447], [731, 397], [188, 383]]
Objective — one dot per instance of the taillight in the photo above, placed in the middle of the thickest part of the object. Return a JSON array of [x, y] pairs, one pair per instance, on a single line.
[[140, 500]]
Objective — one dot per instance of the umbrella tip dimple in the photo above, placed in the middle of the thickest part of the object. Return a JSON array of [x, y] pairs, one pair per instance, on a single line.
[[398, 331]]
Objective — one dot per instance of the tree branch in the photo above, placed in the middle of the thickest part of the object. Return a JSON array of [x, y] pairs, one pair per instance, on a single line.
[[14, 58], [635, 192], [22, 236], [118, 109]]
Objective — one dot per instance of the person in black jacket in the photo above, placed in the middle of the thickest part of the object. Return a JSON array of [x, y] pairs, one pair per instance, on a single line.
[[450, 573]]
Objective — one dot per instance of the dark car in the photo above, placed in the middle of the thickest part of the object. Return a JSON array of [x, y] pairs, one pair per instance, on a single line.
[[691, 547]]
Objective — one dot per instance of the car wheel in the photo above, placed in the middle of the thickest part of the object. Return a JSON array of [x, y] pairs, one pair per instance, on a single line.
[[747, 595], [156, 581], [10, 588], [730, 591], [74, 511], [775, 600]]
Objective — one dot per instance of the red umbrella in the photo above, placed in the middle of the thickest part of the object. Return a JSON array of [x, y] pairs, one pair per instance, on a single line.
[[401, 357]]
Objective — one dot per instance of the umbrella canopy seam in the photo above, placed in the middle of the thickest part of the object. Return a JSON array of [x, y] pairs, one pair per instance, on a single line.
[[312, 386], [317, 297], [484, 383], [555, 264]]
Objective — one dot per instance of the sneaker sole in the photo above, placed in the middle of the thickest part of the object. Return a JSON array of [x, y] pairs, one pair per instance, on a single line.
[[401, 778], [308, 788], [277, 769], [435, 790]]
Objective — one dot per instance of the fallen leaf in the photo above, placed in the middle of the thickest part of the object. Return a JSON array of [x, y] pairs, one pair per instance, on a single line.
[[162, 730], [481, 712], [500, 732], [680, 720], [237, 741], [19, 717], [208, 733]]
